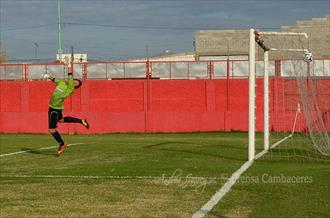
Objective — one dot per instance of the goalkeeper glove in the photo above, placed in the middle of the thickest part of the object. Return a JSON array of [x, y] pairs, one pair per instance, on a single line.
[[44, 76]]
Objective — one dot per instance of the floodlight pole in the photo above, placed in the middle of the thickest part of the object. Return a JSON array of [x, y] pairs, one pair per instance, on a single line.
[[251, 150]]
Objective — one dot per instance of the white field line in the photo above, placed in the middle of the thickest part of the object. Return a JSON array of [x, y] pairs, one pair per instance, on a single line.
[[111, 177], [206, 208], [222, 191], [280, 141], [20, 152]]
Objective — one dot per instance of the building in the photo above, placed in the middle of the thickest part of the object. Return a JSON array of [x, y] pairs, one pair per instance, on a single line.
[[219, 44]]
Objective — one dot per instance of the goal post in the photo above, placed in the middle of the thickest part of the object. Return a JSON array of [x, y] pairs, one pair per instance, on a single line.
[[252, 86], [286, 46], [255, 39], [266, 100]]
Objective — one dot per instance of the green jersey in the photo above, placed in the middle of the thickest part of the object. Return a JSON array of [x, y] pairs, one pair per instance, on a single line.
[[61, 92]]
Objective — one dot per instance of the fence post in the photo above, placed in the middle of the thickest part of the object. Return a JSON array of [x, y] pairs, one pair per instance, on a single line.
[[210, 69], [188, 70], [25, 72], [277, 68], [84, 68], [228, 76], [147, 103]]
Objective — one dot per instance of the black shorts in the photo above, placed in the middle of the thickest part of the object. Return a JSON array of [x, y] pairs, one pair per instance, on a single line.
[[54, 115]]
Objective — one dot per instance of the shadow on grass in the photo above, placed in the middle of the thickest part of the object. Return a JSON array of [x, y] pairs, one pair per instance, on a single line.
[[217, 215], [39, 152], [158, 146], [199, 144]]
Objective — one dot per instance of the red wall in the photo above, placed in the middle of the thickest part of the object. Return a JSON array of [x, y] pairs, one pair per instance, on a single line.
[[154, 105]]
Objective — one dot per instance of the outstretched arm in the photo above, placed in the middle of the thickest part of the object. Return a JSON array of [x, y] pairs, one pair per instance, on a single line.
[[51, 78], [46, 76], [70, 81]]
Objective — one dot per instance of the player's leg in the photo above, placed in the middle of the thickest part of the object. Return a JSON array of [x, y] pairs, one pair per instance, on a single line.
[[62, 144], [53, 117], [84, 122]]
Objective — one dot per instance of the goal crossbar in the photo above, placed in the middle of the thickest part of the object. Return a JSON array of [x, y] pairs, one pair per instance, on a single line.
[[289, 49]]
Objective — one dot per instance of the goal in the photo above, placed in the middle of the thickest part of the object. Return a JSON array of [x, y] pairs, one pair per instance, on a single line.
[[294, 100]]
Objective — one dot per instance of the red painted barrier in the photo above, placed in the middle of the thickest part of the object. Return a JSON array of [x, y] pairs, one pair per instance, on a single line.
[[155, 105]]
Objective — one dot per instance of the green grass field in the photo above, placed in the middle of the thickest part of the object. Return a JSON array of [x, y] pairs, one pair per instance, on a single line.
[[154, 175]]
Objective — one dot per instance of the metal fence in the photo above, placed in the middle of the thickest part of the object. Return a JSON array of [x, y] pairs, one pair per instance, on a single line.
[[161, 69]]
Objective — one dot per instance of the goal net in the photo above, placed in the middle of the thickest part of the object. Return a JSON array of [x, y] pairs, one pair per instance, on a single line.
[[295, 116]]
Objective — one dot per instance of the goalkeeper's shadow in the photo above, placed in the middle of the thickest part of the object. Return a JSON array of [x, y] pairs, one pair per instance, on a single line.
[[161, 147], [39, 152]]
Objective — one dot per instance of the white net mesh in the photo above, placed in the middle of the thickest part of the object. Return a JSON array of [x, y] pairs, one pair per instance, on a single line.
[[299, 108]]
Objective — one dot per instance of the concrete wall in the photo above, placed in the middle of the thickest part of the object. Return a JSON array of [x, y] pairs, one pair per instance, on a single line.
[[221, 42], [318, 31], [155, 105]]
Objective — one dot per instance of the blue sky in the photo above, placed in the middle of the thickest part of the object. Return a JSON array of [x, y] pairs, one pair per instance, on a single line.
[[122, 29]]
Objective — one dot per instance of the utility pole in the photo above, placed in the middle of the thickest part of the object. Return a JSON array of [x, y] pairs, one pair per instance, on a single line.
[[36, 45], [59, 31]]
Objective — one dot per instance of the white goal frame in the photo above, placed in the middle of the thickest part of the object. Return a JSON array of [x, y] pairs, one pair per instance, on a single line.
[[252, 86]]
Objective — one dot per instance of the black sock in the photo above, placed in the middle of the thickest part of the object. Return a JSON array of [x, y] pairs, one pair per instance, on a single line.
[[58, 138], [71, 120]]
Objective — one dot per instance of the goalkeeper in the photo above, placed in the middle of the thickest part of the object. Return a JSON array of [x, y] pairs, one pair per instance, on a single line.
[[63, 90]]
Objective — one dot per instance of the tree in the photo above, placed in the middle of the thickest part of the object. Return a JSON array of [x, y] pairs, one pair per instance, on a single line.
[[3, 56]]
